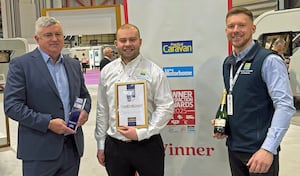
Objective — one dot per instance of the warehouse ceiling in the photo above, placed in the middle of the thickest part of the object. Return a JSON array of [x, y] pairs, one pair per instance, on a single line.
[[256, 6]]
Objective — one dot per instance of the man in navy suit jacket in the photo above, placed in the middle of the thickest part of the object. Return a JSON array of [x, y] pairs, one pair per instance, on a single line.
[[108, 56], [40, 91]]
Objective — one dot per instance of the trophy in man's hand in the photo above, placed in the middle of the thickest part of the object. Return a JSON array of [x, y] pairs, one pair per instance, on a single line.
[[75, 113]]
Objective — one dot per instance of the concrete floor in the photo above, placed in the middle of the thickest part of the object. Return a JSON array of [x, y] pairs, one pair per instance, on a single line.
[[10, 166]]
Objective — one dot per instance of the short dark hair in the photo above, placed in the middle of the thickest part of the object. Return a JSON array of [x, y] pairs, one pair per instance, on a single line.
[[238, 10]]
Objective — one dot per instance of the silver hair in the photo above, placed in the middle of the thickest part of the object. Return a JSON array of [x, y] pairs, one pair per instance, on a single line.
[[45, 21], [106, 49]]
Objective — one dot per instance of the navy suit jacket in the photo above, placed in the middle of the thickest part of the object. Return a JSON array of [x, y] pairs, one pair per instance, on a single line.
[[32, 99], [104, 62]]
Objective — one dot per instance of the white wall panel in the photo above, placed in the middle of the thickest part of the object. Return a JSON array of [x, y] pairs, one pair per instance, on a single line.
[[190, 149], [86, 21]]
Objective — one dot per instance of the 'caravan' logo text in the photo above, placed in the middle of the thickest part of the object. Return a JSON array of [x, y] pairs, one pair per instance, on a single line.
[[177, 47]]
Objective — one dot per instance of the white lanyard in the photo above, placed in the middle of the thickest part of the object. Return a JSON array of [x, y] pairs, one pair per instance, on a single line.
[[232, 80]]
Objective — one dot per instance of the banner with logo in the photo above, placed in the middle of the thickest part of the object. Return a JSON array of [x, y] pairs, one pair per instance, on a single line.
[[187, 39]]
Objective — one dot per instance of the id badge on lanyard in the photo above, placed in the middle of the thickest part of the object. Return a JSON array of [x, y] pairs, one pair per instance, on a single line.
[[229, 104]]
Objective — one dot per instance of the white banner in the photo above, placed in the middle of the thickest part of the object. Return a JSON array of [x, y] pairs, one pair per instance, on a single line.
[[187, 39]]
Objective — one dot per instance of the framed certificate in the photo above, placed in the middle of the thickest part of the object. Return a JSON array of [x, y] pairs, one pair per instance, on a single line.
[[131, 104]]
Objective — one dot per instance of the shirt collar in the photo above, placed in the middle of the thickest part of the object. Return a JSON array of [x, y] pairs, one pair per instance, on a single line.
[[133, 62], [244, 52], [107, 58], [47, 58]]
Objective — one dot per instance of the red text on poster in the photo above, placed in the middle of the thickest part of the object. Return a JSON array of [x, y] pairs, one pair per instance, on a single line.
[[184, 112]]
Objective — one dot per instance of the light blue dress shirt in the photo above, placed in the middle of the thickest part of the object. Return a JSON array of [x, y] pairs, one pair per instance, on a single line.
[[275, 75], [59, 76]]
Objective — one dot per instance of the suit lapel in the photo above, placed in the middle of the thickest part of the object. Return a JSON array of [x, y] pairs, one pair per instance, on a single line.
[[70, 79], [44, 73]]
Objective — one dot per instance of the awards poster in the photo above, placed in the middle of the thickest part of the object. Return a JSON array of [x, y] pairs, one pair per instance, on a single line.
[[184, 109], [187, 40]]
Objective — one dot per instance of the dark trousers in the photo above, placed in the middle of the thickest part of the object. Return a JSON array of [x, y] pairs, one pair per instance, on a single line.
[[67, 164], [125, 158], [84, 65], [238, 161]]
